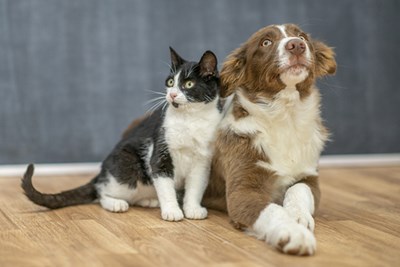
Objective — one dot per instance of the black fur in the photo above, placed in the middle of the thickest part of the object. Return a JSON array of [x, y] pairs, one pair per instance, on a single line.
[[127, 161], [204, 74], [81, 195]]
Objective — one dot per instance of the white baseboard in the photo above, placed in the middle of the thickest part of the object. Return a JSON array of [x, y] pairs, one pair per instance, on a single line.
[[365, 160], [51, 169], [369, 160]]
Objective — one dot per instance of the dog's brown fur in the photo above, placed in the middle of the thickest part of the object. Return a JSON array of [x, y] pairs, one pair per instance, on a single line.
[[236, 182]]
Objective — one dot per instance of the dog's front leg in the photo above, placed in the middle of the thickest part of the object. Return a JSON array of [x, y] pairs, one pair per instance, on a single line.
[[301, 200], [249, 204], [276, 226]]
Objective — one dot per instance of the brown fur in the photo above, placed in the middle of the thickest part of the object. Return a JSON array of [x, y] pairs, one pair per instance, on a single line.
[[248, 66], [235, 176], [134, 124]]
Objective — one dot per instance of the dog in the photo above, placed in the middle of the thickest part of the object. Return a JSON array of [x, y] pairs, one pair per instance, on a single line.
[[265, 167]]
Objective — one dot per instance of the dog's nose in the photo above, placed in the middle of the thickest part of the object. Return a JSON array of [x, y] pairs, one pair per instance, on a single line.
[[173, 95], [296, 47]]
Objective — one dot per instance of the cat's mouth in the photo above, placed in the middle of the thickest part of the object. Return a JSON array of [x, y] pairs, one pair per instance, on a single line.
[[176, 105]]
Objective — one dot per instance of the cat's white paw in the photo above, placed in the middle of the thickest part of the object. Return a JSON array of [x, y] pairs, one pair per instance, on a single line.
[[302, 217], [195, 213], [148, 203], [172, 214], [292, 238], [114, 204]]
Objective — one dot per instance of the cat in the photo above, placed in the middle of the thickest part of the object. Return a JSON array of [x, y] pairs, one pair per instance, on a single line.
[[168, 149]]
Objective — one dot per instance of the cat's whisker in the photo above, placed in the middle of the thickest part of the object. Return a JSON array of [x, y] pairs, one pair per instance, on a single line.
[[154, 99], [156, 105], [165, 105], [155, 92]]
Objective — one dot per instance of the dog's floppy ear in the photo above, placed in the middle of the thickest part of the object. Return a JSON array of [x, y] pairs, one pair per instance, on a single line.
[[325, 62], [232, 72]]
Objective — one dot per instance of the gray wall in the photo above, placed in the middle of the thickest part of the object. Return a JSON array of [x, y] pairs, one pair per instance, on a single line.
[[74, 73]]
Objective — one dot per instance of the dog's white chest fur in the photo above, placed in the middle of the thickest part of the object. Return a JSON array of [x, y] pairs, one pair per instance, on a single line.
[[287, 129], [189, 137]]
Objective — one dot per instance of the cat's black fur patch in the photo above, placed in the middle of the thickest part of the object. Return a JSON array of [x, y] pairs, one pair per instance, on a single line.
[[132, 159], [204, 74]]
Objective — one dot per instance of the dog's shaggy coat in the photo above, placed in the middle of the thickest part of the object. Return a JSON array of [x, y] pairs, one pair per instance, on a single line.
[[264, 169]]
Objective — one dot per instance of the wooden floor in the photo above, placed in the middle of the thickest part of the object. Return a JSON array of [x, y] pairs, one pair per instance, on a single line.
[[358, 224]]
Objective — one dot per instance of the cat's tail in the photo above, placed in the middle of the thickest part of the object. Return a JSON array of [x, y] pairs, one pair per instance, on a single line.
[[81, 195]]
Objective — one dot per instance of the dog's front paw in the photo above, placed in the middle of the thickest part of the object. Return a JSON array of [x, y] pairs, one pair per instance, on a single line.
[[302, 217], [195, 213], [172, 214], [292, 238]]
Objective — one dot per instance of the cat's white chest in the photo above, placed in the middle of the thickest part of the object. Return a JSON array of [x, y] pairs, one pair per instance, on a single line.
[[192, 132], [190, 137]]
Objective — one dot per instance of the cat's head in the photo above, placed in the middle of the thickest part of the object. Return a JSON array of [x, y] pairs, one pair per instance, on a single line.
[[192, 82]]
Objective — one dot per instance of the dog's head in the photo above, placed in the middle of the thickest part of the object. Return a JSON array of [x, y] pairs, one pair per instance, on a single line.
[[276, 57]]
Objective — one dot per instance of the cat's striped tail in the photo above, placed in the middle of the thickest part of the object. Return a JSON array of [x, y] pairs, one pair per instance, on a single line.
[[81, 195]]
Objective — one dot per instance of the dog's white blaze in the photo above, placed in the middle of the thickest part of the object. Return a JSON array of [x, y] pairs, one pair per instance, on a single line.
[[284, 59], [282, 28]]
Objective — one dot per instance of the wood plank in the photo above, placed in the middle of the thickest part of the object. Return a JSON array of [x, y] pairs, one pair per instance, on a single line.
[[357, 225]]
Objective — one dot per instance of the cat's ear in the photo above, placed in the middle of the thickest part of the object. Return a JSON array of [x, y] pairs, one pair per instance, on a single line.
[[176, 60], [208, 64]]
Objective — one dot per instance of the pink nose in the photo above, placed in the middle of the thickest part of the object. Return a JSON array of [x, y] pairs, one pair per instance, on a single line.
[[295, 47], [173, 95]]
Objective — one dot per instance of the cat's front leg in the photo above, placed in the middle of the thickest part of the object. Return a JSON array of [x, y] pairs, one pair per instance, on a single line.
[[195, 186], [165, 187]]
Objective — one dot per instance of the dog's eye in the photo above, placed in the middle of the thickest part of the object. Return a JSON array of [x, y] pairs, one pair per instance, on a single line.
[[266, 42], [170, 82], [302, 37]]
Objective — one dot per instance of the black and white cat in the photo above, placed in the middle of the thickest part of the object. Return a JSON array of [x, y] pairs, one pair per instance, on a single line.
[[164, 151]]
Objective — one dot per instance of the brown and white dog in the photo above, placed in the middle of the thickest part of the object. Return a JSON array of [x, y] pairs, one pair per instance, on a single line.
[[266, 160]]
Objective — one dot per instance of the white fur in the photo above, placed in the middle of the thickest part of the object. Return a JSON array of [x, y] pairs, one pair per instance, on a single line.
[[282, 29], [291, 77], [180, 97], [150, 149], [286, 129], [170, 210], [299, 203], [116, 197], [195, 185], [190, 134], [276, 227]]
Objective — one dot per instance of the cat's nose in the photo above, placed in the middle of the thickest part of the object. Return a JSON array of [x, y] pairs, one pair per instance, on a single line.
[[173, 95]]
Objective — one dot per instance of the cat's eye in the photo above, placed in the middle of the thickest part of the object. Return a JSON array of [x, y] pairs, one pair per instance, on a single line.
[[170, 82], [189, 84], [266, 42]]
